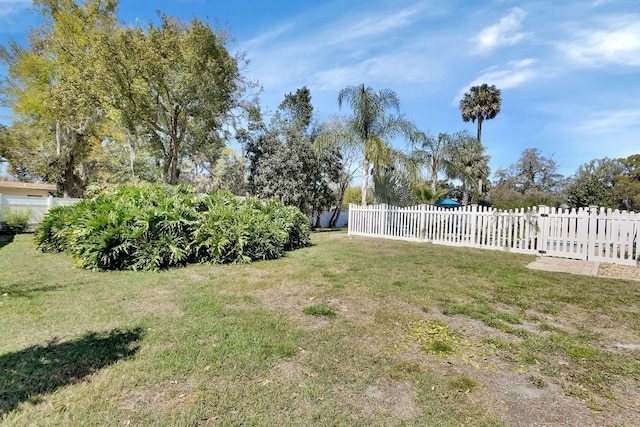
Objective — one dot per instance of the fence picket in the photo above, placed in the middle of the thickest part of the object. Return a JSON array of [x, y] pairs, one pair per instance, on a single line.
[[584, 233]]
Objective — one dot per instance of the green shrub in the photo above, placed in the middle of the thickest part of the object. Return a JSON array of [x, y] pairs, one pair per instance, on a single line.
[[153, 227], [50, 234], [15, 221]]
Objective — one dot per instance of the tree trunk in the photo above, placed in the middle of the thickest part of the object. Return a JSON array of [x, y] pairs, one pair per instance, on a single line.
[[173, 155], [63, 137], [480, 129], [434, 182], [67, 185], [334, 216], [465, 194], [58, 139], [365, 180], [132, 155], [336, 212]]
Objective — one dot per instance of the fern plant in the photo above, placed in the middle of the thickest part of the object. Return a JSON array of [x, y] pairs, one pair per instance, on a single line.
[[154, 227]]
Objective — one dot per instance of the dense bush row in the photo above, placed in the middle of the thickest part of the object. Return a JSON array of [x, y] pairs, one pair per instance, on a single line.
[[152, 227]]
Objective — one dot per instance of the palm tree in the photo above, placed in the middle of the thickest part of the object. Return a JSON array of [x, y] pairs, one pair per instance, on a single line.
[[432, 152], [372, 124], [480, 103], [468, 162]]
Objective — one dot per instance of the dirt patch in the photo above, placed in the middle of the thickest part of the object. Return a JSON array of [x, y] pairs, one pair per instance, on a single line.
[[393, 399], [291, 299], [512, 397], [618, 271]]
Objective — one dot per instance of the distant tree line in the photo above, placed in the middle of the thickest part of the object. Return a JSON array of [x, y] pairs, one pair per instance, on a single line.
[[95, 100]]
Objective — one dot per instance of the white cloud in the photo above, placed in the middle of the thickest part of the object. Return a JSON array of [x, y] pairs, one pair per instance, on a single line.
[[264, 39], [504, 33], [598, 3], [616, 43], [609, 122], [391, 67], [372, 25], [515, 74], [346, 50], [11, 7]]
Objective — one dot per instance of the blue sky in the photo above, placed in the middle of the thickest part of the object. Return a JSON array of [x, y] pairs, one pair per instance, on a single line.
[[569, 70]]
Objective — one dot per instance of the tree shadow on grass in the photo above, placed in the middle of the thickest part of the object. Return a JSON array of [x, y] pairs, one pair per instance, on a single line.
[[5, 240], [27, 374]]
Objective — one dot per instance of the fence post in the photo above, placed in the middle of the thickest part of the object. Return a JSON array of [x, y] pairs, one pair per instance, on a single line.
[[543, 229], [473, 221], [349, 219], [423, 222], [592, 231], [383, 219]]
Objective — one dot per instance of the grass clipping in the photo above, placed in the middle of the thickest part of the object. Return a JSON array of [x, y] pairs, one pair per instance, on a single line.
[[433, 336]]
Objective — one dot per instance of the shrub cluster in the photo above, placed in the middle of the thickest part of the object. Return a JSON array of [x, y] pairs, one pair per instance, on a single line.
[[15, 221], [153, 227]]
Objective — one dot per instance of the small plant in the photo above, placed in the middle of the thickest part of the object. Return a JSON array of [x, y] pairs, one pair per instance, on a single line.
[[319, 310], [538, 381], [508, 317], [15, 221], [582, 351], [462, 383]]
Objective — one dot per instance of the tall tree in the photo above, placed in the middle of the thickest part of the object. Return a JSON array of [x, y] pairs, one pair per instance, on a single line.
[[533, 171], [531, 181], [51, 82], [283, 162], [468, 162], [433, 152], [593, 183], [174, 83], [627, 184], [479, 104], [372, 123], [337, 134]]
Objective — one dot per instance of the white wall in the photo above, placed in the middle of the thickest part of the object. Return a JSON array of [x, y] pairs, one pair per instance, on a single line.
[[38, 206]]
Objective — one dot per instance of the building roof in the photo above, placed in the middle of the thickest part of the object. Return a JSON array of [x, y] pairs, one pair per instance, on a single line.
[[28, 185]]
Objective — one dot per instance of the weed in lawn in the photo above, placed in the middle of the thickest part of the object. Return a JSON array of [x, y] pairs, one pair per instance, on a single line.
[[508, 317], [544, 326], [331, 276], [498, 343], [528, 358], [319, 310], [401, 369], [433, 336], [462, 383], [538, 381], [582, 351]]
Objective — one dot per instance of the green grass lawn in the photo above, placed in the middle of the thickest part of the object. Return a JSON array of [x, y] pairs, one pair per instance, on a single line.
[[350, 331]]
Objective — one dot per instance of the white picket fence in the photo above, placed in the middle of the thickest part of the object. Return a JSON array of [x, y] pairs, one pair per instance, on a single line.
[[594, 234], [37, 206]]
